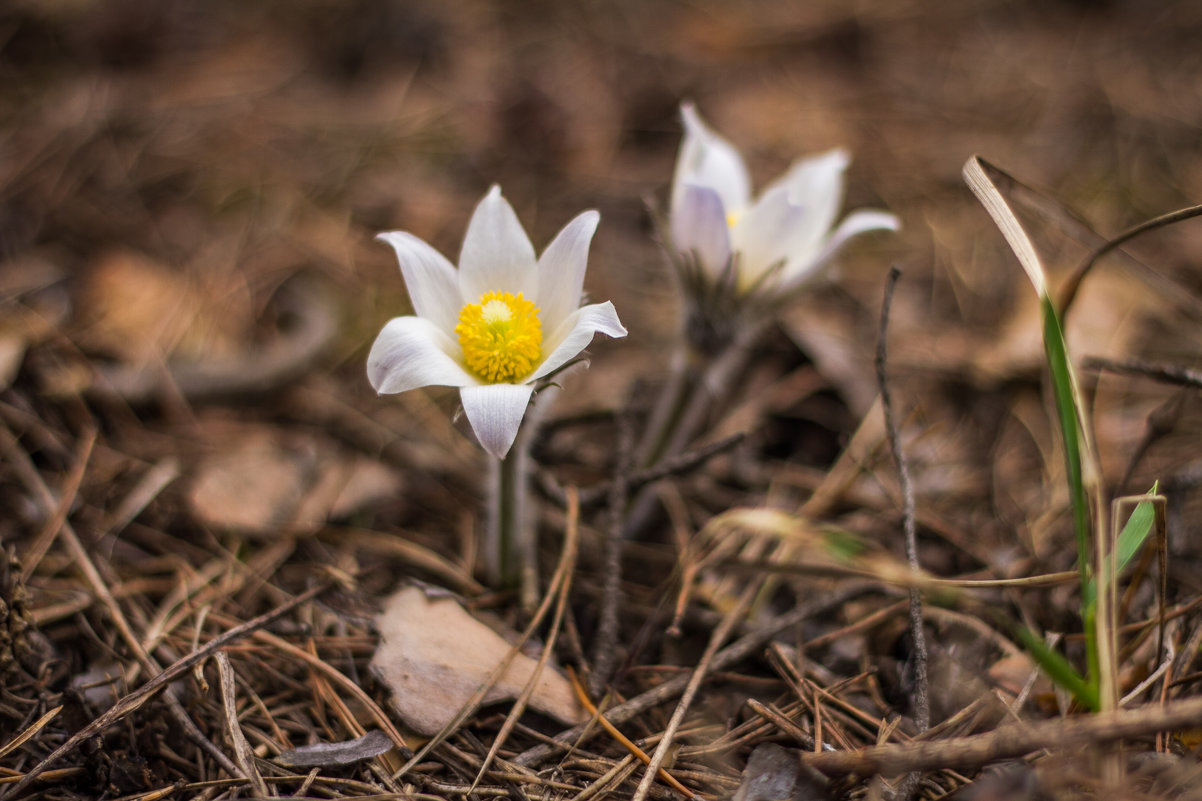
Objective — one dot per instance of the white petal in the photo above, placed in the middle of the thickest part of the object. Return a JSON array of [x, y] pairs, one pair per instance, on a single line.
[[768, 235], [699, 227], [816, 185], [706, 159], [857, 222], [413, 352], [561, 269], [495, 412], [431, 280], [497, 254], [576, 332]]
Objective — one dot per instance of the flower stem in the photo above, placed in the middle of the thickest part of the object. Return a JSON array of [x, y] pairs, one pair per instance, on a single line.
[[700, 385], [512, 542], [669, 408], [506, 524]]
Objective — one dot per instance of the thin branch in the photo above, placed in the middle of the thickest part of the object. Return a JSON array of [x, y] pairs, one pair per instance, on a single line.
[[1009, 742], [242, 750], [921, 690], [922, 703], [676, 466], [1164, 373], [1069, 293], [605, 650], [629, 745]]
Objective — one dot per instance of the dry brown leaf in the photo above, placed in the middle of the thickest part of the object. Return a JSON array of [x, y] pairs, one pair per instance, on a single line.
[[367, 481], [260, 481], [142, 310], [433, 656], [27, 316], [12, 352], [774, 773], [1012, 672], [342, 488], [138, 308], [254, 486]]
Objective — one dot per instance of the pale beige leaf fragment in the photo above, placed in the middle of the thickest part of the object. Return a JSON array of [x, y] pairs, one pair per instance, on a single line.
[[254, 486], [433, 656], [774, 773], [326, 755]]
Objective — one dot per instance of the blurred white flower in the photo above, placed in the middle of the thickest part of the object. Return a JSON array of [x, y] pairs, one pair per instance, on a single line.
[[495, 326], [776, 241]]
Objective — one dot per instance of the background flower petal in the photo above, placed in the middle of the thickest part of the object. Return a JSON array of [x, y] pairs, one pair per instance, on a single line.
[[413, 352], [706, 159], [699, 227], [858, 222], [768, 234], [576, 332], [497, 255], [561, 270], [495, 412], [815, 184], [431, 280]]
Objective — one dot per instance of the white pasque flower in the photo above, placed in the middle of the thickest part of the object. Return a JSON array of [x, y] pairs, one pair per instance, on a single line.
[[778, 240], [501, 322]]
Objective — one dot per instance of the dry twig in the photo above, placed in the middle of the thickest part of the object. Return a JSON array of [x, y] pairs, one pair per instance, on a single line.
[[1010, 741], [605, 646], [922, 703]]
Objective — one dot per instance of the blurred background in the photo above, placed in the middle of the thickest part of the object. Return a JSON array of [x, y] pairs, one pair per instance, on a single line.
[[167, 169], [228, 144]]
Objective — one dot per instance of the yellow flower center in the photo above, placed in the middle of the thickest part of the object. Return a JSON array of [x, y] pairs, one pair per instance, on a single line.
[[732, 219], [501, 337]]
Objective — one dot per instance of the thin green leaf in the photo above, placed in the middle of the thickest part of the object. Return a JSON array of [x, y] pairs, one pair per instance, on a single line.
[[1135, 532], [1058, 668], [1064, 393]]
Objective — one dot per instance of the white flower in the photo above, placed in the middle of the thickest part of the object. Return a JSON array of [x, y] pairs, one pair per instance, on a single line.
[[786, 230], [495, 326]]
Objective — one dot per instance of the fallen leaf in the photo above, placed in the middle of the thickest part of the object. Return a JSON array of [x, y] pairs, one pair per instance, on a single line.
[[1012, 672], [136, 308], [774, 773], [12, 352], [259, 481], [433, 656], [344, 487], [253, 486], [326, 755]]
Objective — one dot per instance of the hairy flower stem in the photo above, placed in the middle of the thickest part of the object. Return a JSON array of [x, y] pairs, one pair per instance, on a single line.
[[506, 514], [701, 383], [512, 542], [669, 408]]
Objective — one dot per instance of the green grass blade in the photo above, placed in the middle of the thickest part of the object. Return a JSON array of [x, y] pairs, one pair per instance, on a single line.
[[1064, 393], [1058, 668], [1136, 530], [1135, 533]]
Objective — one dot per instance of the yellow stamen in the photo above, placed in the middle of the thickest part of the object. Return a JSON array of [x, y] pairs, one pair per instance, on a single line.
[[501, 337], [732, 219]]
